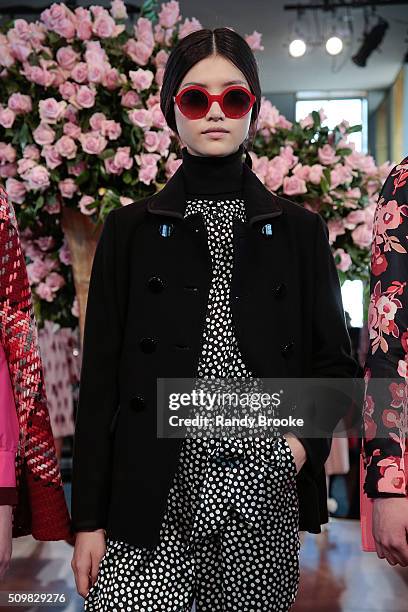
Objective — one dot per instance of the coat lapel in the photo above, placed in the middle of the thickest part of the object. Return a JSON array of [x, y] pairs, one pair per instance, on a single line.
[[260, 203]]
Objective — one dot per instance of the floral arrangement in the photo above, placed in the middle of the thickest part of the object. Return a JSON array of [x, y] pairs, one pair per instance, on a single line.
[[81, 127]]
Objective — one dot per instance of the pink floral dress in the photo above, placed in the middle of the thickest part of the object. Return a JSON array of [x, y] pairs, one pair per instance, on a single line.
[[385, 404]]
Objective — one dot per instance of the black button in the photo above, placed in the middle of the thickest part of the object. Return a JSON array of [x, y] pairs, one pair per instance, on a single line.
[[156, 284], [287, 348], [280, 290], [148, 345], [166, 229], [137, 403]]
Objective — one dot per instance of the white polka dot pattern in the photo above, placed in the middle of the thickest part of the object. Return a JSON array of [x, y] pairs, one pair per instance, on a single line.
[[229, 538]]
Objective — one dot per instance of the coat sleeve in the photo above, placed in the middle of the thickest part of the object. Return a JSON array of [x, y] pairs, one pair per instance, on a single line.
[[98, 389], [385, 401], [332, 353], [9, 435]]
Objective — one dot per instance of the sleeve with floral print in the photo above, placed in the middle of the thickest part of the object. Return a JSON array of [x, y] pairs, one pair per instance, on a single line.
[[385, 400]]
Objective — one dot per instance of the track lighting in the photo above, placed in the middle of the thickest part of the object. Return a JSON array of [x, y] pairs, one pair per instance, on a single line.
[[371, 41]]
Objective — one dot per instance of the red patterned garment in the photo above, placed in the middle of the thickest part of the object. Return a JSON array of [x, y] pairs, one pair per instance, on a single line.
[[41, 508], [386, 405]]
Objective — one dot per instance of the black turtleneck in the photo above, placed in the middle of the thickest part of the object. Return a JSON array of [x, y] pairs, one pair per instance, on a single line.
[[213, 175]]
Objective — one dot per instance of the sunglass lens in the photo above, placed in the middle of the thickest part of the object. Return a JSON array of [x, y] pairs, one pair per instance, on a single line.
[[236, 103], [193, 103]]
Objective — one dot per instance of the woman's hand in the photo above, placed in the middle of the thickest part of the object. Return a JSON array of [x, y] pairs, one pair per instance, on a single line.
[[297, 448], [390, 527], [90, 546], [6, 525]]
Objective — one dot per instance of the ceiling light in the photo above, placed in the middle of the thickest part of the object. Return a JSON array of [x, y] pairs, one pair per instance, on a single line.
[[334, 45], [297, 47]]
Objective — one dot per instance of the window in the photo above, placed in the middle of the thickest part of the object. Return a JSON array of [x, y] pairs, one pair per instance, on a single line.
[[353, 110]]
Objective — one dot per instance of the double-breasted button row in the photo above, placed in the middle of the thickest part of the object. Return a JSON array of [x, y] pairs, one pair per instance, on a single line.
[[279, 290], [137, 403], [287, 349], [156, 284], [148, 345]]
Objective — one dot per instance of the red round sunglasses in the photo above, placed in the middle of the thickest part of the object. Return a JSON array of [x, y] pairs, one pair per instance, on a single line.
[[194, 101]]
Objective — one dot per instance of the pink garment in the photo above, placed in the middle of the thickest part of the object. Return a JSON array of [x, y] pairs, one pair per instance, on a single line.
[[59, 348], [9, 427]]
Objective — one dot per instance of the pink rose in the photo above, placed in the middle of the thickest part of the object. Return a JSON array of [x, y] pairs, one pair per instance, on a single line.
[[280, 164], [141, 79], [119, 162], [112, 79], [71, 129], [111, 129], [104, 26], [51, 111], [85, 97], [172, 164], [141, 117], [273, 178], [44, 134], [125, 201], [362, 236], [84, 205], [84, 30], [354, 218], [66, 147], [52, 158], [7, 153], [327, 155], [151, 141], [306, 122], [315, 174], [97, 120], [24, 166], [31, 152], [254, 41], [164, 143], [20, 103], [16, 190], [37, 270], [336, 228], [78, 168], [67, 57], [45, 243], [7, 117], [161, 58], [93, 143], [158, 119], [68, 188], [144, 31], [64, 253], [169, 14], [345, 260], [118, 9], [68, 90], [301, 172], [292, 185], [130, 99], [138, 51], [286, 153], [80, 72], [45, 292], [75, 308], [38, 178], [148, 166]]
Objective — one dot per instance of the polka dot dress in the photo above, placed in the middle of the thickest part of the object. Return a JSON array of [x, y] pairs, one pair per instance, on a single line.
[[229, 540]]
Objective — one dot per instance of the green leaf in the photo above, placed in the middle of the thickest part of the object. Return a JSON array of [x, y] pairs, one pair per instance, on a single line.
[[354, 128], [344, 151], [106, 153], [82, 178]]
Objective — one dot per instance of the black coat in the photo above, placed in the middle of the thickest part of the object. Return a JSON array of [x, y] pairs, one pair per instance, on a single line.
[[145, 318]]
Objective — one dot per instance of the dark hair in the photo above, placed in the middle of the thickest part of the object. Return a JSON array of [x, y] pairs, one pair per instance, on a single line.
[[195, 47]]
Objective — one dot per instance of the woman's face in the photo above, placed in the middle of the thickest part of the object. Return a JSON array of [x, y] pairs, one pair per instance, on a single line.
[[214, 73]]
